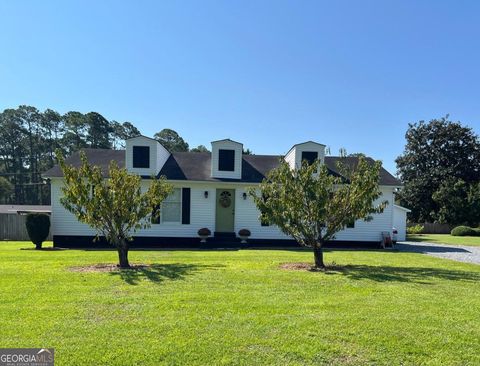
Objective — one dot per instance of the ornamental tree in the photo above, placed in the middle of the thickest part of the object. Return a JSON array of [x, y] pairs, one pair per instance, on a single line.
[[114, 206], [311, 204]]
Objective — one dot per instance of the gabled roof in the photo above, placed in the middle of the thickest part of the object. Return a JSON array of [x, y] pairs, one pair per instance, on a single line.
[[386, 178], [146, 137], [227, 140], [303, 143], [99, 157], [196, 166]]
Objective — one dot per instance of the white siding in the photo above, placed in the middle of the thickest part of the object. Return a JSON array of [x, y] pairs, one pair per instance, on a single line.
[[372, 230], [290, 158], [228, 145], [294, 156], [400, 222], [202, 214], [63, 222], [247, 217], [158, 155]]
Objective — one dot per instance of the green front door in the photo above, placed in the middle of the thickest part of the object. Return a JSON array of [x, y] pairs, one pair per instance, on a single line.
[[225, 210]]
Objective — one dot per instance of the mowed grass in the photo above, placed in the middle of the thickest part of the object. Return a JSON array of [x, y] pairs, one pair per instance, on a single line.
[[239, 308], [446, 239]]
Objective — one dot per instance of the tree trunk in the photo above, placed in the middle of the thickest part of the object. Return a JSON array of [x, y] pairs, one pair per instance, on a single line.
[[122, 249], [318, 254], [38, 246]]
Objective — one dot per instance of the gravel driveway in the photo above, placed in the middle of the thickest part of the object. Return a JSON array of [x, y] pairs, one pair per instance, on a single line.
[[461, 253]]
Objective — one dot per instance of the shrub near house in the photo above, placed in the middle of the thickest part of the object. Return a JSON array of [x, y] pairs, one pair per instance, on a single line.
[[38, 227]]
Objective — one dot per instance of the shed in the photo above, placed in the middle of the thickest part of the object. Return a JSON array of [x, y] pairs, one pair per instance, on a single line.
[[400, 221]]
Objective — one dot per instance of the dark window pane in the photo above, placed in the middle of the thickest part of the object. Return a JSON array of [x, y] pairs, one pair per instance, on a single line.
[[141, 157], [226, 160], [309, 156]]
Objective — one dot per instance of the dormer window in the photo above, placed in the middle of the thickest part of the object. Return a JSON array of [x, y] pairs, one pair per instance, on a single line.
[[309, 156], [226, 160], [141, 157]]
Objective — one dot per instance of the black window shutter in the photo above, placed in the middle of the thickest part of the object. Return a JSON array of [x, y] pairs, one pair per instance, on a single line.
[[186, 206]]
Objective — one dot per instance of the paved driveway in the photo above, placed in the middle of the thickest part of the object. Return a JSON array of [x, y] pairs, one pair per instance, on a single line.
[[459, 253]]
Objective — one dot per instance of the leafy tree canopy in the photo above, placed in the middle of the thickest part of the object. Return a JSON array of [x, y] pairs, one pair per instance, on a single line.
[[115, 207], [99, 130], [437, 155], [171, 140], [458, 202], [6, 190], [311, 205], [30, 137], [200, 148]]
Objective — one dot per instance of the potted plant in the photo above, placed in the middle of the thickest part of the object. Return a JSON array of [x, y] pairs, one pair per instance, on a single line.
[[204, 233], [244, 234]]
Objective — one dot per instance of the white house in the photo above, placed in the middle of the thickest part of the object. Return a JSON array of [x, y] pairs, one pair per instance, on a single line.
[[210, 191]]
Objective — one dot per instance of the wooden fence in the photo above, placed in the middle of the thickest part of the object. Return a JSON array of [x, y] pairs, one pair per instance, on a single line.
[[12, 227], [433, 228]]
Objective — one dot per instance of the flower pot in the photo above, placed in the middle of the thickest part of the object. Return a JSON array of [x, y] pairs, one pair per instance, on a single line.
[[203, 238], [243, 238]]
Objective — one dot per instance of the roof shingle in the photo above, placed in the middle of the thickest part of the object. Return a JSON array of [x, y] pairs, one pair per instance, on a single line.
[[196, 166]]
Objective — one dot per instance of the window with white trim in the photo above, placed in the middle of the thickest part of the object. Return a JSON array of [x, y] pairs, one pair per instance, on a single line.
[[172, 207]]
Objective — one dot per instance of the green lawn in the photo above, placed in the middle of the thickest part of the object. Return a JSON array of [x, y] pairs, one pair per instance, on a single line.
[[238, 308], [446, 239]]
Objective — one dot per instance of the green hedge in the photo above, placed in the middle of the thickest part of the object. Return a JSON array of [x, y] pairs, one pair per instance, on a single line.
[[38, 227], [465, 231]]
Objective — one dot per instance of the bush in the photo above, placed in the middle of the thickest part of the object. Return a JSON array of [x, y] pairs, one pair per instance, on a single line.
[[477, 231], [415, 229], [463, 231], [204, 231], [38, 227], [244, 232]]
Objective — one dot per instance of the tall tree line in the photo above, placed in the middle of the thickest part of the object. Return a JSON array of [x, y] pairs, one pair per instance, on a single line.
[[29, 138]]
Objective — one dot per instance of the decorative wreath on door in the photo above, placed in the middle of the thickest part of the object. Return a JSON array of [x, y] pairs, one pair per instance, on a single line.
[[225, 199]]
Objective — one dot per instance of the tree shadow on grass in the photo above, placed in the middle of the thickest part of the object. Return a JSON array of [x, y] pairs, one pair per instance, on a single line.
[[158, 273], [403, 274]]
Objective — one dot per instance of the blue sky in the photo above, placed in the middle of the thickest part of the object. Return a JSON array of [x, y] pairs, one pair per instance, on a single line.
[[348, 74]]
